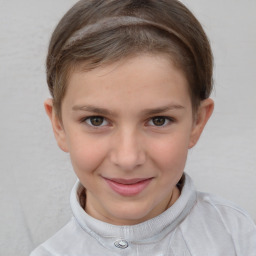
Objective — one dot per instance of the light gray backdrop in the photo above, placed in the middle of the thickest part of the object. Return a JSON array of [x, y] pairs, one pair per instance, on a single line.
[[36, 177]]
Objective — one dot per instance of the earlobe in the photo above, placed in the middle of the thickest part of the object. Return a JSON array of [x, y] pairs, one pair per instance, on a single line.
[[57, 126], [203, 114]]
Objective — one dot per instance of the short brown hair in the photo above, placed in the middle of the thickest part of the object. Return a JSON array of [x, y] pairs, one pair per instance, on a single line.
[[98, 32]]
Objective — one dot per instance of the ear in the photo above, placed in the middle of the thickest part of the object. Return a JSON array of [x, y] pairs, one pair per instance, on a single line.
[[202, 116], [57, 125]]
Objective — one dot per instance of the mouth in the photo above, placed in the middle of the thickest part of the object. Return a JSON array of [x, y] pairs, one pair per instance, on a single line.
[[128, 187]]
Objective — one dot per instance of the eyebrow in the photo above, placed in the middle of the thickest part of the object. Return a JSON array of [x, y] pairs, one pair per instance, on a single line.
[[149, 111], [93, 109], [153, 111]]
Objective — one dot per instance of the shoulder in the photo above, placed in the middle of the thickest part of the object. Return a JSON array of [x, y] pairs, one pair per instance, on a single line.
[[225, 210], [40, 251], [214, 211], [221, 216], [218, 227], [60, 243], [211, 207]]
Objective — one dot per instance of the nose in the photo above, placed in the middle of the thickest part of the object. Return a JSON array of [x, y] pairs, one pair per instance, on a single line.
[[127, 150]]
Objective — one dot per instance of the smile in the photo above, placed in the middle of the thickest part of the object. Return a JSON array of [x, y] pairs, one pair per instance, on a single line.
[[129, 187]]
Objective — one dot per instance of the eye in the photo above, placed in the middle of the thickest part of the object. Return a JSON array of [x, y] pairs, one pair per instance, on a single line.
[[96, 121], [160, 121]]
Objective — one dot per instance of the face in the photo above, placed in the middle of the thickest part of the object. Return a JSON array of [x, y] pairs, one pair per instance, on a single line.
[[128, 127]]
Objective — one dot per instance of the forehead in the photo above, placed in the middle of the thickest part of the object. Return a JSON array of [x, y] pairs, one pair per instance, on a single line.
[[144, 62], [142, 81]]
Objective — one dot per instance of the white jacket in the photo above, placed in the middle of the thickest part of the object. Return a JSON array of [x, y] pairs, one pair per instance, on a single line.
[[198, 224]]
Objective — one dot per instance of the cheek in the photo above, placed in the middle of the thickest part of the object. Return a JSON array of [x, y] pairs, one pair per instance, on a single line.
[[86, 154], [170, 153]]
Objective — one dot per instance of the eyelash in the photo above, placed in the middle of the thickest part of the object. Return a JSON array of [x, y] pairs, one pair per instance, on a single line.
[[88, 121], [167, 121]]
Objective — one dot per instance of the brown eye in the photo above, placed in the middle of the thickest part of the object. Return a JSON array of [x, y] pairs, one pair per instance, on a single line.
[[96, 121], [159, 121]]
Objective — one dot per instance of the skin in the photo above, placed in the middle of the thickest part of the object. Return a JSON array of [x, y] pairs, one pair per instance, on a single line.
[[128, 141]]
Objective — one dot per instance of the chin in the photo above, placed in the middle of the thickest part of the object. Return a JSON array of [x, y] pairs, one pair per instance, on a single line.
[[130, 215]]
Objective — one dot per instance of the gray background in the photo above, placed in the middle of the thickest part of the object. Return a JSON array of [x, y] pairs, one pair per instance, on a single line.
[[36, 177]]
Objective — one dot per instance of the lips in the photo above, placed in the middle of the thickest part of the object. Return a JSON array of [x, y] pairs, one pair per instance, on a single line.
[[128, 187]]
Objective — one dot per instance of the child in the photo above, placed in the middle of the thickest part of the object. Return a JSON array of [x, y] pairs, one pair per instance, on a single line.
[[130, 82]]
